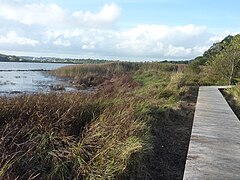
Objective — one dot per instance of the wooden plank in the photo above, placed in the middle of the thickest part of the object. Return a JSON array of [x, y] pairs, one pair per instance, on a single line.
[[214, 149]]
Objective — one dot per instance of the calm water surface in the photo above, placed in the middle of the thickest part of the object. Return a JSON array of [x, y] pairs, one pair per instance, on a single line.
[[13, 81]]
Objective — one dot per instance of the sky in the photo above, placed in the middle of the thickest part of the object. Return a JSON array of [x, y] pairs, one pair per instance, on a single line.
[[137, 30]]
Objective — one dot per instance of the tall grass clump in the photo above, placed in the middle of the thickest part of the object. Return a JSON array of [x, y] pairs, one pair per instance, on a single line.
[[90, 75], [117, 141], [67, 136], [102, 69], [34, 128], [161, 83]]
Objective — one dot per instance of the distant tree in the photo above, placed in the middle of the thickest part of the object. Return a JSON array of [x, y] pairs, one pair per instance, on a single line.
[[226, 65]]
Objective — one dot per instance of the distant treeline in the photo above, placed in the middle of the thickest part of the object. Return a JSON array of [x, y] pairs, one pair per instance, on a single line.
[[177, 62], [6, 58], [12, 58]]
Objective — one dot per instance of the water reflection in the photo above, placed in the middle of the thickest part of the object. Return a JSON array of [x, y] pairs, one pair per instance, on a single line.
[[15, 82]]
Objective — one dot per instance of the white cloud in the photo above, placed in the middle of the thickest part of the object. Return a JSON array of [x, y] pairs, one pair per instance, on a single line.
[[199, 50], [52, 15], [88, 46], [146, 41], [107, 15], [67, 34], [190, 30], [173, 51], [163, 41], [61, 42], [13, 38], [162, 31], [30, 14]]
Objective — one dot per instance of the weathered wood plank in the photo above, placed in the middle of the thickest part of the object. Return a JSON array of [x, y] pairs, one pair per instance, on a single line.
[[214, 149]]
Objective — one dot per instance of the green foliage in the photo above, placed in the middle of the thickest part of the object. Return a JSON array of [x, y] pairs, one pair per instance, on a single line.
[[222, 61], [225, 66], [201, 60], [235, 93], [194, 67], [160, 84], [214, 50]]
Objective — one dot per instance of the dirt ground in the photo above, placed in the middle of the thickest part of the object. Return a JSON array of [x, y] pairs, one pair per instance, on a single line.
[[172, 140]]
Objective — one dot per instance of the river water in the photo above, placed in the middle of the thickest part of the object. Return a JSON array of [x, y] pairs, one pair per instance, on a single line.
[[22, 77]]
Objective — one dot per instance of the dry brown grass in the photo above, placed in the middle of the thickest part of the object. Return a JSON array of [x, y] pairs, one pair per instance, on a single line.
[[57, 136]]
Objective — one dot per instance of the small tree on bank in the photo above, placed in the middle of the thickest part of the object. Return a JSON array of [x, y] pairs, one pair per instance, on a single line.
[[226, 65]]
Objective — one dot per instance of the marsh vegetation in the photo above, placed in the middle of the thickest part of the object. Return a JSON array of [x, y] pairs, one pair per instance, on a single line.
[[136, 125]]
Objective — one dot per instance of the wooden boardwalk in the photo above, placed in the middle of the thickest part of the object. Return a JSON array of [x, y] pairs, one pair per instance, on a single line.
[[214, 149]]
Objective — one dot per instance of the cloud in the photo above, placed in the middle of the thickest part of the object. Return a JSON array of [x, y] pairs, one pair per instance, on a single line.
[[13, 38], [108, 14], [164, 41], [60, 42], [173, 51], [31, 14], [88, 46], [52, 15], [146, 41]]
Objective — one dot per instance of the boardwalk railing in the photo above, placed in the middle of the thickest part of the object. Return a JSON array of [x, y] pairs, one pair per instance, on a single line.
[[214, 149]]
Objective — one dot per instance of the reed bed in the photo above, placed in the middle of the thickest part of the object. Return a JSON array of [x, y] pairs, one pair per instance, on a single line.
[[96, 69], [66, 136]]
